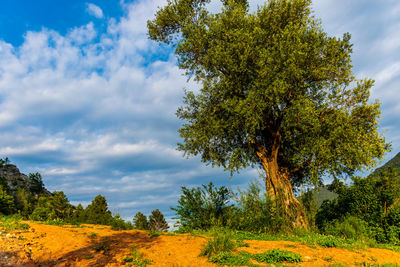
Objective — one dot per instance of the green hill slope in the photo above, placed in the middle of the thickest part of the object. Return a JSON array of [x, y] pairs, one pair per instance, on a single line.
[[393, 163]]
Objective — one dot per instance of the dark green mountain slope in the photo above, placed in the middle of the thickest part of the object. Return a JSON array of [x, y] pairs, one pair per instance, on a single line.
[[393, 163]]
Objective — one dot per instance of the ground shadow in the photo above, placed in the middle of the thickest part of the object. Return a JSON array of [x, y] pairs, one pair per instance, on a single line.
[[102, 251]]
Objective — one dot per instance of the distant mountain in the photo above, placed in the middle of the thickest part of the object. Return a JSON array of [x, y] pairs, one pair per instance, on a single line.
[[393, 163], [323, 194]]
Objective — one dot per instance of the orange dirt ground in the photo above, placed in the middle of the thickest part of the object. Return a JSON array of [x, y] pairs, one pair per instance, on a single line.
[[48, 245]]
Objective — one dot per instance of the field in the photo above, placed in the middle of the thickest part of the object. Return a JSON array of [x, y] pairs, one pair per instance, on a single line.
[[33, 244]]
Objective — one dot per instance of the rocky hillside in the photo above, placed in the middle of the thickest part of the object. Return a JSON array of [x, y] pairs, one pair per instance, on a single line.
[[11, 179]]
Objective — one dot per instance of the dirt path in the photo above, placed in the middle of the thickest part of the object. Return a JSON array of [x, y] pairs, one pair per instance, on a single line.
[[47, 245]]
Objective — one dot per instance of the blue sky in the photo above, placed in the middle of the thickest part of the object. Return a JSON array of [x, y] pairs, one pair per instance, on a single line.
[[88, 101]]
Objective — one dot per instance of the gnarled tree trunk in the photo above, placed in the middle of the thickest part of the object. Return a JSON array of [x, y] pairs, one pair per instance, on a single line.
[[279, 188]]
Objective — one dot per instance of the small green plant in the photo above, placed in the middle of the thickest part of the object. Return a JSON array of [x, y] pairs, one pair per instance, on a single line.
[[92, 235], [228, 258], [241, 243], [136, 259], [127, 259], [328, 259], [220, 242], [100, 248], [57, 222], [88, 257], [12, 223], [154, 234], [328, 243], [277, 255]]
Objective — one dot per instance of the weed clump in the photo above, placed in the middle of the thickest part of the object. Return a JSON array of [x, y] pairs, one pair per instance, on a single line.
[[11, 223], [230, 259], [220, 242], [136, 259], [277, 256]]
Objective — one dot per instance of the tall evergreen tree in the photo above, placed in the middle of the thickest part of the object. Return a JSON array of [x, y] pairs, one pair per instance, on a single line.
[[157, 221], [37, 185], [140, 221], [97, 212]]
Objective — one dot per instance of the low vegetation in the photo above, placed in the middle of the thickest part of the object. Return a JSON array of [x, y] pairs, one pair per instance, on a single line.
[[136, 259]]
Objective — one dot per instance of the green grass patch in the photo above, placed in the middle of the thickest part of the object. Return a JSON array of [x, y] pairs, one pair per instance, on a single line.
[[12, 223], [92, 235], [136, 259], [230, 259], [220, 242], [277, 256], [241, 243], [100, 248], [155, 234]]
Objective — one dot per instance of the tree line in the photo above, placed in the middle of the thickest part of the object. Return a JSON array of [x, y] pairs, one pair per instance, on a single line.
[[40, 205]]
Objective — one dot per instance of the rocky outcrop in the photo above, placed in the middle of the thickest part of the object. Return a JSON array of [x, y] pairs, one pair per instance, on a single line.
[[12, 179]]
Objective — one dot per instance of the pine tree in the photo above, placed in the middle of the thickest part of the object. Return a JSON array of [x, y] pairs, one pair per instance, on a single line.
[[79, 214], [157, 221], [140, 221], [97, 212]]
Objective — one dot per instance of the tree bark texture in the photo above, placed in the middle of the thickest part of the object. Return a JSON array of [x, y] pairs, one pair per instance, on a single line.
[[279, 188]]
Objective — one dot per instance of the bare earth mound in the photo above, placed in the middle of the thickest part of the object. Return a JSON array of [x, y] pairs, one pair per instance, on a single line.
[[48, 245]]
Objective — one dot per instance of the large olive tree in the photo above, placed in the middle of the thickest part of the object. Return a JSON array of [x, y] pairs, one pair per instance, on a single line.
[[276, 91]]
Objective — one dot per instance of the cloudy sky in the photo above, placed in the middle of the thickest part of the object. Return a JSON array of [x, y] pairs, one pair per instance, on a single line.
[[89, 102]]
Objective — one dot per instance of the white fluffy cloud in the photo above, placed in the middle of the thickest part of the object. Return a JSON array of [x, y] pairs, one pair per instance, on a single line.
[[94, 10]]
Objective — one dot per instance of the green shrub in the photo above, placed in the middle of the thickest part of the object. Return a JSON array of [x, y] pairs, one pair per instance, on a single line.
[[204, 207], [393, 235], [92, 235], [12, 222], [230, 259], [277, 255], [100, 248], [220, 242], [137, 258], [117, 223], [349, 227], [42, 214]]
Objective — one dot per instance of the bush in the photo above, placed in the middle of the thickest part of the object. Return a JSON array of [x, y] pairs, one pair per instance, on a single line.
[[220, 242], [367, 209], [203, 207], [12, 222], [349, 227], [230, 259], [117, 223], [43, 214], [277, 255]]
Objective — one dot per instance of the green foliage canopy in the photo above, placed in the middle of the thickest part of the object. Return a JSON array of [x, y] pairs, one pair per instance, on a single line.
[[202, 208], [273, 82]]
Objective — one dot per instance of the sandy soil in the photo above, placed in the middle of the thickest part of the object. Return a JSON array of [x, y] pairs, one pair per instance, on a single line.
[[47, 245]]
